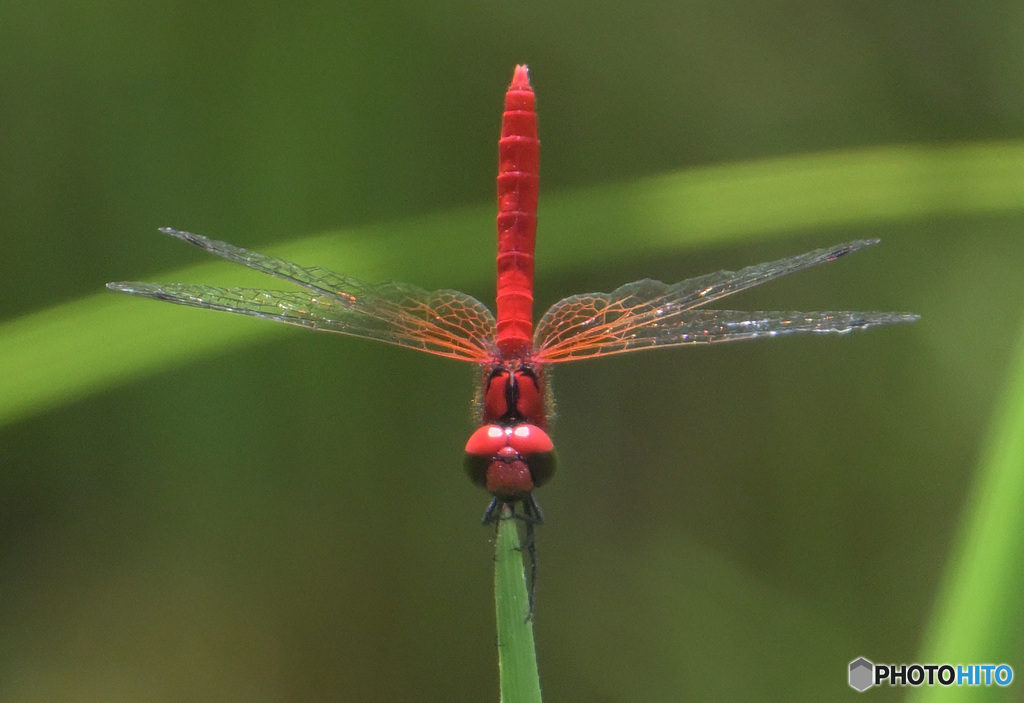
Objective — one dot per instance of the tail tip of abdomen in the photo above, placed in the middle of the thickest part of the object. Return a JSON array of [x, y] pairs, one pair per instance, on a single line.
[[521, 78]]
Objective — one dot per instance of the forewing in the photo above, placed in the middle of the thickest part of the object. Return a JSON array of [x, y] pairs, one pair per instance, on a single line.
[[444, 322], [651, 313]]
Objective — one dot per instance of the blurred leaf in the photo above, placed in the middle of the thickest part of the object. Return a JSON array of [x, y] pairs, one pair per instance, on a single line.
[[57, 356], [978, 616]]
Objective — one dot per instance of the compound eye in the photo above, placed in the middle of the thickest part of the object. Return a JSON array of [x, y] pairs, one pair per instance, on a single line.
[[530, 439], [487, 440], [484, 445], [537, 450]]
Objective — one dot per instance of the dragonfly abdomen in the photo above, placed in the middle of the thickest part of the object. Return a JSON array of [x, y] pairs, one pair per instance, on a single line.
[[518, 187]]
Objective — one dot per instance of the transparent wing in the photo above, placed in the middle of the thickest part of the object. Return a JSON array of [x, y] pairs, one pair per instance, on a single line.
[[650, 313], [443, 322]]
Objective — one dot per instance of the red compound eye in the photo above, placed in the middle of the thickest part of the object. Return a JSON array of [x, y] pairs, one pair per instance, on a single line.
[[487, 441], [529, 439]]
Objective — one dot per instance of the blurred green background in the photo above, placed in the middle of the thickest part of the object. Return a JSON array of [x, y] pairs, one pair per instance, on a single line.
[[197, 506]]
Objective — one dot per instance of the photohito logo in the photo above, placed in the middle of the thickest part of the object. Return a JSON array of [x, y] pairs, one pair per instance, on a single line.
[[864, 674]]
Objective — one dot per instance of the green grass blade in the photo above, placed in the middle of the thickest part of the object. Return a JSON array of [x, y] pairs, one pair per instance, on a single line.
[[979, 617], [517, 654], [57, 356]]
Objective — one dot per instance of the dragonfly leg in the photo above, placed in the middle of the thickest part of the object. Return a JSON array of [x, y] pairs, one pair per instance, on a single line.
[[493, 512], [531, 510], [531, 516], [531, 555]]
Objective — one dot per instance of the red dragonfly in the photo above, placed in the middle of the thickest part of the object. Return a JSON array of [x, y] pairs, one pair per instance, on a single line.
[[511, 453]]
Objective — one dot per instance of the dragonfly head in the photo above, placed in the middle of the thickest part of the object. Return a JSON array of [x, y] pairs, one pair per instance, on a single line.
[[510, 460]]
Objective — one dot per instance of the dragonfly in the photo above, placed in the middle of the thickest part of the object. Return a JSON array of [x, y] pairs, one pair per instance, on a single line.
[[511, 453]]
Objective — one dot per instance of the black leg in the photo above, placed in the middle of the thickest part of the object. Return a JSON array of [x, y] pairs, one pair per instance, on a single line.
[[531, 554], [493, 512], [530, 515], [531, 510]]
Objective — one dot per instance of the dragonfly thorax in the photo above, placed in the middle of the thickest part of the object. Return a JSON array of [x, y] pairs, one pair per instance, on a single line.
[[513, 393]]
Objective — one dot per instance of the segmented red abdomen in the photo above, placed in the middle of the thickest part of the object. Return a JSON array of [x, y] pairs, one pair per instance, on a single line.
[[518, 184]]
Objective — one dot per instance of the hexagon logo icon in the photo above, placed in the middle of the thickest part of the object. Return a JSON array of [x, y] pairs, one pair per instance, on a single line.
[[861, 674]]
